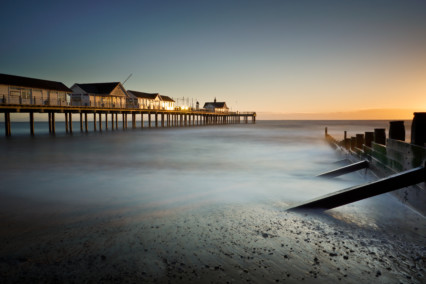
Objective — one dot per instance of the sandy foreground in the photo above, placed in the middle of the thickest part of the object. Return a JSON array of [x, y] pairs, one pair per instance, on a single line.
[[228, 243]]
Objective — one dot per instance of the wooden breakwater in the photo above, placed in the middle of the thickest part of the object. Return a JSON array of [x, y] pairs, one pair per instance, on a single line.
[[390, 155], [101, 117]]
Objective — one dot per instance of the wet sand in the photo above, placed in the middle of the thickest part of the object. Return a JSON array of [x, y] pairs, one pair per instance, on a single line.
[[204, 243]]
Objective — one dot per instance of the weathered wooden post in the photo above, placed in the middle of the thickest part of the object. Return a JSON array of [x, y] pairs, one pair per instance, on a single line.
[[418, 129], [369, 137], [359, 141], [380, 136], [50, 121], [81, 121], [70, 121], [162, 119], [149, 119], [141, 119], [53, 122], [66, 122], [116, 120], [7, 124], [85, 122], [397, 130], [106, 120], [156, 119], [353, 143], [94, 121], [100, 121], [133, 120], [112, 121], [32, 123]]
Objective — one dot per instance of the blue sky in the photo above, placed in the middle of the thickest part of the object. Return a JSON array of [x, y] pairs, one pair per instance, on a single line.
[[266, 56]]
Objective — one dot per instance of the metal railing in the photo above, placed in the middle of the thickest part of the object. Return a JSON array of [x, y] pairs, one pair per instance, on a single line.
[[8, 99]]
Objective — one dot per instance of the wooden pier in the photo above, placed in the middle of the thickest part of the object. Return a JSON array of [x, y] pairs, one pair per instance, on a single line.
[[155, 117]]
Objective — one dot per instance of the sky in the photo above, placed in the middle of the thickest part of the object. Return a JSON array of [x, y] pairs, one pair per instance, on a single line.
[[283, 59]]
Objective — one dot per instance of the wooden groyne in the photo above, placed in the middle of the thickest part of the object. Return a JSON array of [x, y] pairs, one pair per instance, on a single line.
[[391, 156], [101, 117]]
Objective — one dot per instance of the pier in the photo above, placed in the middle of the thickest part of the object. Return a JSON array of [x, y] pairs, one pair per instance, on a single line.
[[101, 115]]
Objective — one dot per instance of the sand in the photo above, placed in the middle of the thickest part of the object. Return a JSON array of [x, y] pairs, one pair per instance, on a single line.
[[227, 243]]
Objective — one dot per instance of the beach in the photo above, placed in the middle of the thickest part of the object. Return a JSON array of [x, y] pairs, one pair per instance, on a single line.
[[163, 215]]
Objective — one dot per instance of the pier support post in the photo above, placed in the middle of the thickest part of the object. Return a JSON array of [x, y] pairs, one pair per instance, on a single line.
[[94, 121], [85, 122], [156, 119], [7, 124], [81, 122], [123, 121], [32, 123], [112, 121], [66, 123], [100, 121], [70, 121], [116, 120], [133, 120], [49, 120], [141, 119], [53, 122], [106, 121], [162, 119], [149, 120]]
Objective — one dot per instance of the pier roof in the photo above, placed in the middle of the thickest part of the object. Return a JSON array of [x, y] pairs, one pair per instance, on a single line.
[[144, 95], [19, 81], [216, 104], [166, 98], [98, 88]]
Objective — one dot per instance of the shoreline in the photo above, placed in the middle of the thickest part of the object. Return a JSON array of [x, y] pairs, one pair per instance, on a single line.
[[229, 243]]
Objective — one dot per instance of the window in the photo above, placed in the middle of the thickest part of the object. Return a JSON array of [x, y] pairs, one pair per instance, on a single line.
[[26, 93]]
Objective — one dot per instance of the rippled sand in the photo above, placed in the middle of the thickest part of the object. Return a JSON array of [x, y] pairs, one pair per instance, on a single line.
[[233, 243]]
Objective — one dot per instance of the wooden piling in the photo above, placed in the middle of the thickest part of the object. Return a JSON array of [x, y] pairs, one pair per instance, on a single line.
[[149, 119], [70, 121], [53, 123], [85, 122], [106, 121], [369, 137], [142, 120], [133, 120], [112, 121], [100, 121], [94, 121], [32, 123], [7, 124], [380, 136], [66, 123], [81, 122]]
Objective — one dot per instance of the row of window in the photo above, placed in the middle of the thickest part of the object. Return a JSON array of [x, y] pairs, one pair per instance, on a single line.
[[26, 93]]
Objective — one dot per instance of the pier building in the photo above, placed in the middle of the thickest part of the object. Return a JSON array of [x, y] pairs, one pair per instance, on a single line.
[[104, 102]]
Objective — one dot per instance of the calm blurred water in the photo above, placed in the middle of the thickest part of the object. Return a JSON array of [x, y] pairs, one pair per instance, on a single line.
[[162, 168]]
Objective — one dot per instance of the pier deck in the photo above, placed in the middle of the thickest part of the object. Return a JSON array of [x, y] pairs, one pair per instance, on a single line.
[[161, 118]]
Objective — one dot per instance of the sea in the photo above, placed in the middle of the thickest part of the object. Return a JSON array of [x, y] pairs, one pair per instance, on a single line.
[[190, 204]]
